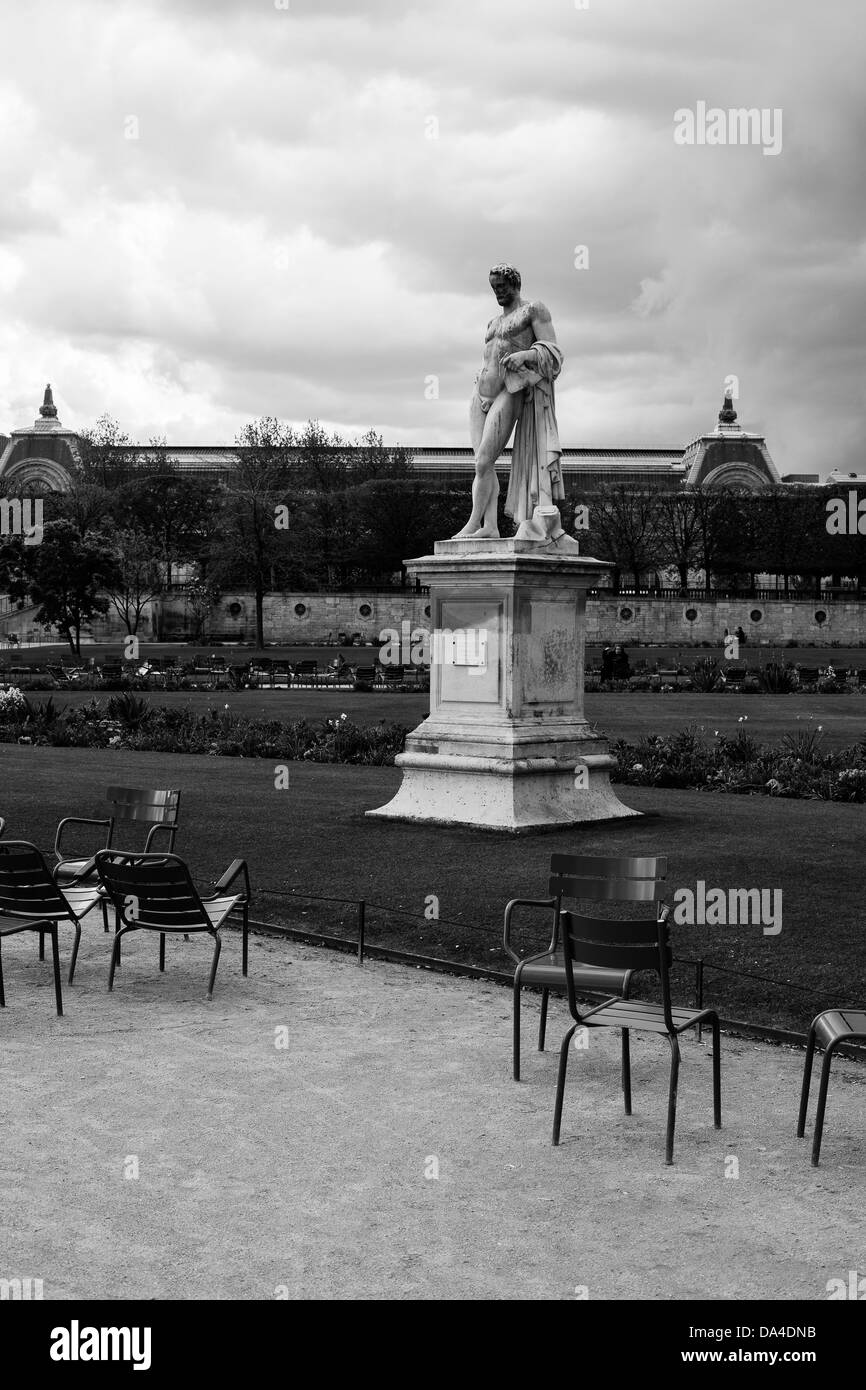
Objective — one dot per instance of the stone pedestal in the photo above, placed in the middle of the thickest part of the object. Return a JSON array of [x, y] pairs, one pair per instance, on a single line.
[[506, 745]]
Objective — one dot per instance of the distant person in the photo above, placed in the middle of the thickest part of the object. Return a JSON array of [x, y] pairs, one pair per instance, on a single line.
[[607, 663], [340, 666], [741, 637], [621, 666]]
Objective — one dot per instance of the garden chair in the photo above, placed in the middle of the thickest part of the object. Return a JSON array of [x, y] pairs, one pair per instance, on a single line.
[[260, 672], [392, 675], [281, 675], [30, 900], [155, 892], [568, 874], [158, 809], [637, 944], [307, 673], [832, 1029], [202, 673]]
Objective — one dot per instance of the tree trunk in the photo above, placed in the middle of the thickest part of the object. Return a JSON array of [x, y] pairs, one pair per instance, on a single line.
[[260, 626]]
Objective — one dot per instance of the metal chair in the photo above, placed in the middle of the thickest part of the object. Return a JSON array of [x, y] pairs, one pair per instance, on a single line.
[[155, 892], [568, 874], [158, 808], [635, 945], [832, 1029], [307, 673], [30, 900]]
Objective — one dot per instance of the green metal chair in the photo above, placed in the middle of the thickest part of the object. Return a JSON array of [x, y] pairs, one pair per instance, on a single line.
[[633, 945], [546, 970], [155, 892], [30, 900], [157, 808], [832, 1028]]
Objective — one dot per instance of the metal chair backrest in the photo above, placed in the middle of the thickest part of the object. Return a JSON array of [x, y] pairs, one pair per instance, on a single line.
[[159, 809], [609, 879], [635, 944], [27, 887], [151, 890]]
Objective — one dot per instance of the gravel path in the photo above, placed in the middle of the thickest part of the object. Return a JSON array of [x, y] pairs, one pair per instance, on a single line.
[[308, 1170]]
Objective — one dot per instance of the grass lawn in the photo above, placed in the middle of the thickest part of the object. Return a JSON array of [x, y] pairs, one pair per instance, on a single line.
[[629, 716], [315, 839]]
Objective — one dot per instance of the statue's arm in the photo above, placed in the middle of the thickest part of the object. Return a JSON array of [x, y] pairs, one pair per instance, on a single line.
[[542, 327]]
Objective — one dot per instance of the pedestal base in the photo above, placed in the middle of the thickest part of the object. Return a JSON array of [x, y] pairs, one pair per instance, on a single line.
[[504, 793], [506, 745]]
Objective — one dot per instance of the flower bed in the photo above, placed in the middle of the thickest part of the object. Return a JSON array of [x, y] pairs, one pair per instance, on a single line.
[[127, 721], [798, 766]]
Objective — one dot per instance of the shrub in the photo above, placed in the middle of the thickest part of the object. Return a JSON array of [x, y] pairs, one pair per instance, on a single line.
[[777, 679], [705, 674]]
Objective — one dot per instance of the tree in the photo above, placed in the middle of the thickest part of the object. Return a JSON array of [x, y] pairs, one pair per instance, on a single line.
[[137, 577], [107, 454], [257, 507], [64, 576], [624, 528], [167, 506], [679, 533]]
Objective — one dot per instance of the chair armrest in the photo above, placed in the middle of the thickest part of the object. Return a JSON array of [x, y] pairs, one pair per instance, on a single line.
[[169, 830], [237, 866], [509, 913], [81, 820]]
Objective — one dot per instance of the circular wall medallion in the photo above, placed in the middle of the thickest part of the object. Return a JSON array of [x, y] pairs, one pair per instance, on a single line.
[[300, 609], [756, 615], [234, 609], [365, 610], [820, 616], [626, 614], [691, 614]]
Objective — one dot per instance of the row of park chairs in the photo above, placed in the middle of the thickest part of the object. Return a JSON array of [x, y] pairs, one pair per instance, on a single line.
[[600, 954], [149, 889]]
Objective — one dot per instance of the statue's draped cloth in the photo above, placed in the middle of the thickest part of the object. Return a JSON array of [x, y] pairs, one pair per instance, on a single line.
[[536, 472]]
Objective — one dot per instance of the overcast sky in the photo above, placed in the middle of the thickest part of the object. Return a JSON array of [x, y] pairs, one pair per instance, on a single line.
[[304, 224]]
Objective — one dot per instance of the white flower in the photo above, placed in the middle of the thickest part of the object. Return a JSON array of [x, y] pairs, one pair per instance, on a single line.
[[637, 767]]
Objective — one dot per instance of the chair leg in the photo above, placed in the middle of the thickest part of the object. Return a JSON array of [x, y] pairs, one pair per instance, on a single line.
[[115, 953], [55, 952], [542, 1022], [105, 914], [807, 1080], [560, 1081], [672, 1097], [717, 1074], [515, 1047], [162, 950], [42, 945], [245, 943], [626, 1072], [75, 952], [822, 1104], [214, 963]]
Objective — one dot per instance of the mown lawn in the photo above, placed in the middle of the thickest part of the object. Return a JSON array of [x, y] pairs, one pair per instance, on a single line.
[[313, 838], [630, 716]]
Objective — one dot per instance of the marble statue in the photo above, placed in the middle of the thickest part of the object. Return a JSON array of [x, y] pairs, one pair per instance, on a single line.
[[514, 392]]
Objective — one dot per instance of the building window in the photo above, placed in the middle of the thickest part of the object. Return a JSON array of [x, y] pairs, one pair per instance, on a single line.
[[820, 616], [691, 614], [365, 610], [626, 614], [300, 609], [756, 615]]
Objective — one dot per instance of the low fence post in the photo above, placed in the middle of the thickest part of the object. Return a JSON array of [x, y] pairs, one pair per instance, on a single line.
[[362, 922]]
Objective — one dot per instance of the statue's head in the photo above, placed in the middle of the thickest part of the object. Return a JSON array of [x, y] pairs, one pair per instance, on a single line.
[[505, 282]]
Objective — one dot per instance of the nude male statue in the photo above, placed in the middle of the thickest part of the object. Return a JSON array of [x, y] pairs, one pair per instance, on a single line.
[[515, 388]]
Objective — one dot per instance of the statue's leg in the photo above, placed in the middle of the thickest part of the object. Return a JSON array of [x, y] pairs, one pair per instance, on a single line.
[[495, 426]]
